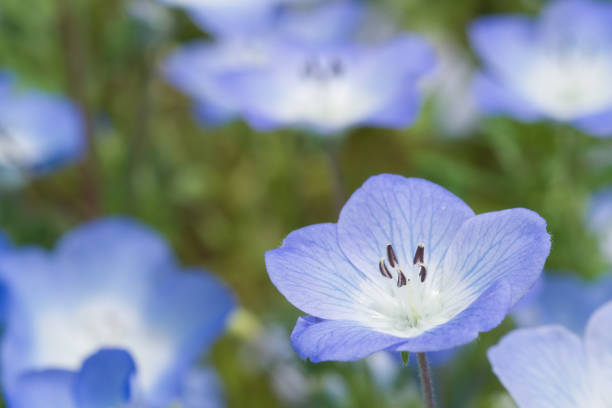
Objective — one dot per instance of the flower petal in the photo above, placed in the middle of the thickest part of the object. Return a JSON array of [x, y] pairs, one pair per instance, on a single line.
[[598, 340], [44, 389], [105, 379], [311, 271], [509, 244], [404, 212], [504, 43], [337, 340], [495, 98], [542, 367]]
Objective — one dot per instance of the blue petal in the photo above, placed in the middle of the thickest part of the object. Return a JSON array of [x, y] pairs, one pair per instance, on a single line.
[[105, 379], [193, 308], [563, 300], [404, 212], [509, 244], [107, 254], [311, 271], [225, 19], [44, 389], [210, 114], [495, 98], [338, 340], [504, 43], [542, 367], [598, 341]]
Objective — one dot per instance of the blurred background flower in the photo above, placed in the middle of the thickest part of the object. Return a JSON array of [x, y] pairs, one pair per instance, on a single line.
[[556, 67], [39, 132], [108, 283]]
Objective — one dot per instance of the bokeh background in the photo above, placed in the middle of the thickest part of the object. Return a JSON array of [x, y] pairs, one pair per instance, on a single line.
[[223, 196]]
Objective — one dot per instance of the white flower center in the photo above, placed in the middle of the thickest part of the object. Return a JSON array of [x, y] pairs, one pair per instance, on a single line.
[[408, 300], [66, 336], [570, 82], [325, 93]]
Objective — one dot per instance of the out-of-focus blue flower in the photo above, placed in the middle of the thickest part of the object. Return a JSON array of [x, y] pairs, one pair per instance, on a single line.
[[330, 89], [39, 132], [408, 267], [198, 69], [103, 380], [550, 366], [564, 300], [109, 283], [557, 67], [599, 220]]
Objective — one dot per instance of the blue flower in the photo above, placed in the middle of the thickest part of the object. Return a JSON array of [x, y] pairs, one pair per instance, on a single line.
[[29, 146], [109, 283], [557, 67], [550, 366], [199, 68], [329, 89], [564, 300], [408, 267]]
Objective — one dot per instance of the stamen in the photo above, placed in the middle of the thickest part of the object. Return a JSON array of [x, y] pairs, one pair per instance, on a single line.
[[383, 269], [391, 256], [401, 278], [423, 273], [337, 67], [419, 255]]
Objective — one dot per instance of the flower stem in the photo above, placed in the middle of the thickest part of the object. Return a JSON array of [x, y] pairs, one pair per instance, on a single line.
[[426, 381]]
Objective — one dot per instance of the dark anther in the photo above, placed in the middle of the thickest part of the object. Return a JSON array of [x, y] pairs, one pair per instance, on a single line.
[[391, 256], [423, 273], [383, 269], [419, 255], [309, 68], [401, 278]]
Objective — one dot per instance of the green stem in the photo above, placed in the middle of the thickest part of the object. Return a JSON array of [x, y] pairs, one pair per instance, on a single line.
[[426, 381], [339, 190]]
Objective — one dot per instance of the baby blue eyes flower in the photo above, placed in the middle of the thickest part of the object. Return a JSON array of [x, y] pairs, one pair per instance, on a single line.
[[556, 67], [330, 89], [28, 145], [109, 283], [551, 366], [408, 267]]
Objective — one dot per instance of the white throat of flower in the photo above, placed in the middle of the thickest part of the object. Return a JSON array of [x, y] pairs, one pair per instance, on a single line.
[[407, 299], [569, 82], [325, 94], [66, 337]]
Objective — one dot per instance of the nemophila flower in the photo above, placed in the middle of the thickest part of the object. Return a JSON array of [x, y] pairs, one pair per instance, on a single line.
[[556, 67], [29, 146], [198, 69], [564, 300], [330, 89], [599, 220], [111, 283], [408, 267], [550, 366]]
